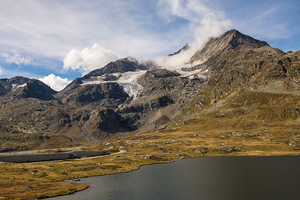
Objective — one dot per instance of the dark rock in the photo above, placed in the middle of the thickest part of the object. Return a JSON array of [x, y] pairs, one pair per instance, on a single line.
[[94, 95], [147, 157], [186, 47], [4, 150], [227, 150], [64, 173], [20, 87], [221, 115], [173, 140], [200, 150]]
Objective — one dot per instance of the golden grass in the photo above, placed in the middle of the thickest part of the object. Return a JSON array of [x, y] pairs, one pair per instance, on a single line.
[[41, 180]]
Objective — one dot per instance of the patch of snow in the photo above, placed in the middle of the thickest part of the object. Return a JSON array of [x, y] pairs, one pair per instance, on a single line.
[[117, 74], [131, 89], [190, 74], [16, 86], [127, 80]]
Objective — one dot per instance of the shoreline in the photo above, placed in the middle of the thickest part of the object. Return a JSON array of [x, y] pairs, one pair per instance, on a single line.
[[174, 160]]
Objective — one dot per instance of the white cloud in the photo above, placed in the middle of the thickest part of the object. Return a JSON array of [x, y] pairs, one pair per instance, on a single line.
[[55, 82], [1, 70], [88, 59], [204, 22], [16, 58], [53, 27]]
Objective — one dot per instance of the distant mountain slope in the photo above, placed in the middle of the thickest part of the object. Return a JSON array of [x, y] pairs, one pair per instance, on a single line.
[[231, 48], [31, 123], [20, 87], [7, 85], [97, 87], [163, 94], [186, 47], [93, 95], [278, 76], [119, 66]]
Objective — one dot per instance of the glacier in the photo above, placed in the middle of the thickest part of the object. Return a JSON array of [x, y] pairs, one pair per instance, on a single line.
[[128, 80]]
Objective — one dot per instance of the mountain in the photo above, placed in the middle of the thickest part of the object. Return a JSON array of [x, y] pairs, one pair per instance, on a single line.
[[162, 95], [230, 48], [235, 83], [119, 66], [93, 95], [186, 47], [98, 88], [252, 88], [8, 85], [20, 87]]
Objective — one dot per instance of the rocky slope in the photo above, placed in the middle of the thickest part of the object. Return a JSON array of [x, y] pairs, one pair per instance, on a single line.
[[186, 47], [251, 91], [161, 98], [120, 66], [231, 48], [21, 87], [93, 95], [98, 88], [31, 123]]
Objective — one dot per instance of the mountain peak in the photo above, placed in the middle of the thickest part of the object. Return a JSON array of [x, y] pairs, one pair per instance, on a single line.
[[233, 31], [237, 38], [119, 66], [186, 47], [229, 40]]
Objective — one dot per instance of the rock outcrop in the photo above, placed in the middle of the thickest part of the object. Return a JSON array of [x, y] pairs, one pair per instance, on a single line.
[[108, 94]]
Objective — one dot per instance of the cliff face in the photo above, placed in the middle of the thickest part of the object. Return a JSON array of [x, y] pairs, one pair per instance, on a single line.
[[94, 95]]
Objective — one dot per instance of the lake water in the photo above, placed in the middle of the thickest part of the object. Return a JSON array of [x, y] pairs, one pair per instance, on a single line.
[[208, 178]]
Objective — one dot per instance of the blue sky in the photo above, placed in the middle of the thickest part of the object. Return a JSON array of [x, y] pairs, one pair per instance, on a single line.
[[59, 40]]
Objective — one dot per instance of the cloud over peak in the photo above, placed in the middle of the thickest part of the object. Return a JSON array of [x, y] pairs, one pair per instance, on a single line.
[[55, 82], [88, 59], [204, 23]]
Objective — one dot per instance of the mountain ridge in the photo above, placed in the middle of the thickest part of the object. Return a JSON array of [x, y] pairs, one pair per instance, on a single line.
[[96, 105], [229, 48]]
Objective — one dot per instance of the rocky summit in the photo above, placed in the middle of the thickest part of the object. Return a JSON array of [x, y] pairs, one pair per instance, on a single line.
[[234, 77]]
